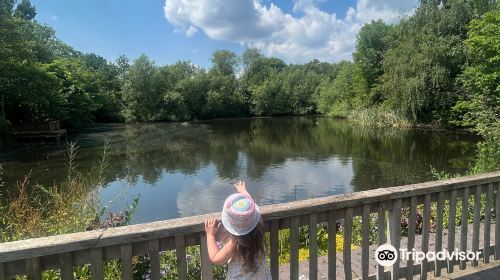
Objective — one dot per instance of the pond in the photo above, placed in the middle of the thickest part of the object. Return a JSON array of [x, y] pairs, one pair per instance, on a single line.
[[185, 169]]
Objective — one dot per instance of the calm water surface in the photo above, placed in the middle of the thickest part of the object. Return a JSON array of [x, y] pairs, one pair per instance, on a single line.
[[183, 170]]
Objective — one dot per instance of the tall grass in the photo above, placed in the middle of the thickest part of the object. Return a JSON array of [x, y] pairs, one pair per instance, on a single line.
[[33, 210], [377, 117]]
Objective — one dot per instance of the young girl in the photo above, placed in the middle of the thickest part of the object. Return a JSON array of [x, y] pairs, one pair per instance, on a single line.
[[244, 248]]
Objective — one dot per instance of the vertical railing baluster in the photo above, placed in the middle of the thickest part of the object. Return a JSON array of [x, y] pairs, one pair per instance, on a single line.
[[96, 264], [347, 243], [464, 225], [33, 268], [476, 222], [2, 271], [274, 246], [332, 244], [294, 248], [126, 261], [487, 224], [395, 233], [389, 231], [180, 251], [66, 264], [497, 221], [425, 234], [313, 246], [365, 241], [411, 235], [381, 236], [154, 259], [206, 264], [438, 246], [451, 228]]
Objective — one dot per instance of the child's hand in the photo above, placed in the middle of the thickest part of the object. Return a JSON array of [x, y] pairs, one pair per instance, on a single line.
[[240, 187], [212, 226]]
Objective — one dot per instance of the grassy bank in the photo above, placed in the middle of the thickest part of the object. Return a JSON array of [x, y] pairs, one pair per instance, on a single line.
[[73, 205]]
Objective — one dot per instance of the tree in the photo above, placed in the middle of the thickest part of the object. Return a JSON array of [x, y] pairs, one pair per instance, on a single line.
[[249, 57], [270, 99], [77, 95], [108, 86], [27, 89], [224, 62], [481, 76], [479, 107], [25, 10], [175, 108], [260, 69], [334, 97], [420, 68], [94, 61], [223, 98], [179, 82], [371, 44], [299, 83], [194, 90], [122, 64], [140, 93], [28, 92], [324, 69], [257, 69], [6, 8]]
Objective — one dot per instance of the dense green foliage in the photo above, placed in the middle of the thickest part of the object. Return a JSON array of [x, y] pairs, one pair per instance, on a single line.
[[421, 66], [439, 65], [480, 104], [340, 96], [372, 42]]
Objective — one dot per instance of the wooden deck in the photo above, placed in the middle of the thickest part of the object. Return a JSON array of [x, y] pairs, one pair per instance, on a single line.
[[45, 130], [372, 269], [489, 271], [31, 257]]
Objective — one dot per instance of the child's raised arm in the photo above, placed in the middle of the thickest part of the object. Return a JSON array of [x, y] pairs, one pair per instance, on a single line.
[[241, 188], [217, 256]]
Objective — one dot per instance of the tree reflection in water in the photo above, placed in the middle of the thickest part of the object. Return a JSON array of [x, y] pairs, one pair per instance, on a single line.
[[183, 170]]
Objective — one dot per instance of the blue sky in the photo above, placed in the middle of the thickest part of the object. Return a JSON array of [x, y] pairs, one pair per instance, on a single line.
[[170, 30]]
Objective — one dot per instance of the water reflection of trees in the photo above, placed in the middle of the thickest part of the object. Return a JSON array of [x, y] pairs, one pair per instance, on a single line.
[[379, 156]]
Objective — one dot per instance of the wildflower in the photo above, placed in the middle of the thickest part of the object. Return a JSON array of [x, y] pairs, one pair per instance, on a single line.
[[188, 258]]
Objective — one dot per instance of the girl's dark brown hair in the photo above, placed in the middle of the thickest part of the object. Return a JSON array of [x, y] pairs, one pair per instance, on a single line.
[[249, 248]]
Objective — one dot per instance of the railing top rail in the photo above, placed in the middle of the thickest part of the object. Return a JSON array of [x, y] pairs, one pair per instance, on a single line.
[[141, 232]]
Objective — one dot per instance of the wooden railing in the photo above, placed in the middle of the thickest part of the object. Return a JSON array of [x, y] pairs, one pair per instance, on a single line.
[[31, 257], [37, 128]]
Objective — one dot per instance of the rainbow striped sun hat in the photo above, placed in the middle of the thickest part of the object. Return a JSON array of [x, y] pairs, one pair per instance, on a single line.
[[240, 214]]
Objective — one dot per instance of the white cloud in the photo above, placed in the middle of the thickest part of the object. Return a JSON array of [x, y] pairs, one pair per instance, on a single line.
[[308, 33], [54, 18], [191, 31]]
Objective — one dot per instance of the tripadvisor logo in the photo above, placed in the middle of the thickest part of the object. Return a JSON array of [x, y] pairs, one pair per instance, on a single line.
[[387, 255]]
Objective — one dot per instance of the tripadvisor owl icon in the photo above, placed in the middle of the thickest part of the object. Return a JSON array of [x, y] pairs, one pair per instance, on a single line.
[[386, 255]]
